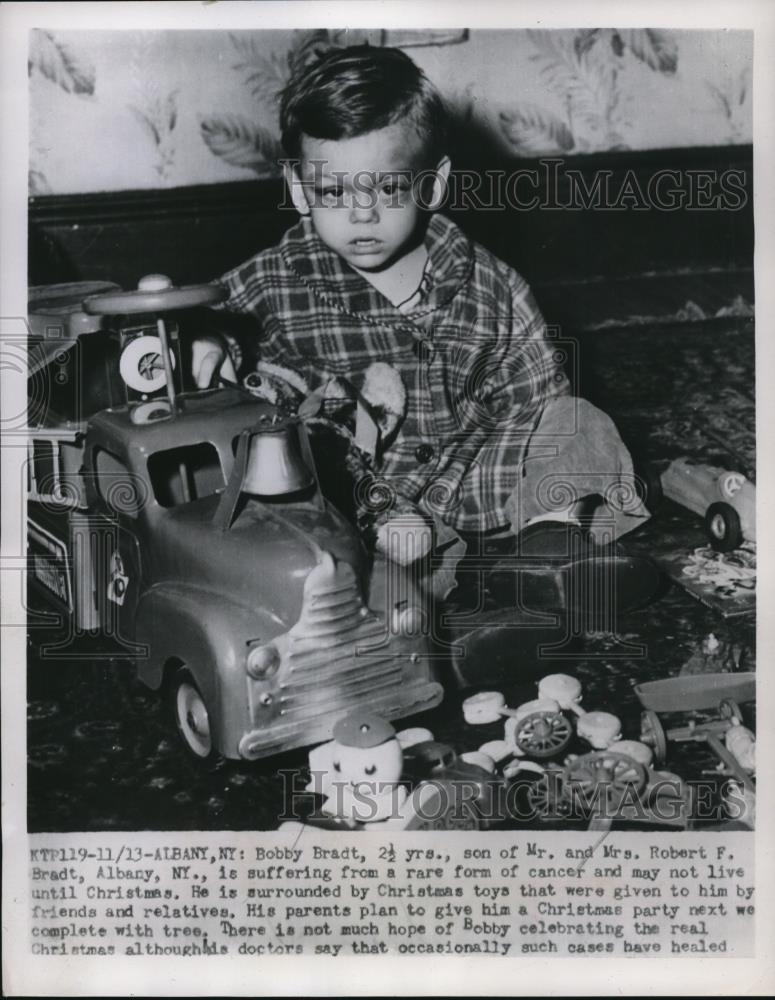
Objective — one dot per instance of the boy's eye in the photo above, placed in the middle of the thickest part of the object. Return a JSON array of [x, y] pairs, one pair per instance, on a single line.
[[371, 769], [331, 195], [392, 187]]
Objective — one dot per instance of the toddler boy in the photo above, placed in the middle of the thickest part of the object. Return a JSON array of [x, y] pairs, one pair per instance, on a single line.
[[491, 443]]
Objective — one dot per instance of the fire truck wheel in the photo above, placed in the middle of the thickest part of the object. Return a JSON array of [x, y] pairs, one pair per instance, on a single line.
[[192, 717]]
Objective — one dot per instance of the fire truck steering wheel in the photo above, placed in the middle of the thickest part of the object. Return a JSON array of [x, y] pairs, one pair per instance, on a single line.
[[154, 293]]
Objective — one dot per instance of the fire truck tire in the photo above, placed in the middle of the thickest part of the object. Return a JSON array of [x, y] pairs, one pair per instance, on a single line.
[[192, 717]]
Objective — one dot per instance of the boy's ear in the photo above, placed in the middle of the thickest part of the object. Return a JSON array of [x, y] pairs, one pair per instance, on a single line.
[[439, 190], [295, 189]]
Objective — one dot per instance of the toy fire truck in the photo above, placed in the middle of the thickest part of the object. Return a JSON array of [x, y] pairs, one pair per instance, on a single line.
[[190, 527]]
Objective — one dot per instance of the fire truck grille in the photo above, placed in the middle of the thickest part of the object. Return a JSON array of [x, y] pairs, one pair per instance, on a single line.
[[338, 651], [338, 656]]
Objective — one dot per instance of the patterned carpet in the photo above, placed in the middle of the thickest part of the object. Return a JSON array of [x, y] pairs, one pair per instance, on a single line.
[[103, 754]]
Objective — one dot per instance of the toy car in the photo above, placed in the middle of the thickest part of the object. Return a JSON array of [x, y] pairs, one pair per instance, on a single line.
[[436, 761], [702, 692], [189, 526], [727, 500]]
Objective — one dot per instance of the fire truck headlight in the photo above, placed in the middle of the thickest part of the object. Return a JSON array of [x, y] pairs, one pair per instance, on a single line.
[[263, 661]]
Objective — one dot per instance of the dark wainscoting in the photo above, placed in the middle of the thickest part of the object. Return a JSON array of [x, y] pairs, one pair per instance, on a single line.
[[586, 264]]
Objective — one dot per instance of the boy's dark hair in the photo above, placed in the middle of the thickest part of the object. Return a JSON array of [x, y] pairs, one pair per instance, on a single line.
[[349, 92]]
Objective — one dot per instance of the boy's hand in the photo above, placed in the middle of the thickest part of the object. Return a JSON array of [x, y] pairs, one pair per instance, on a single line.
[[208, 357]]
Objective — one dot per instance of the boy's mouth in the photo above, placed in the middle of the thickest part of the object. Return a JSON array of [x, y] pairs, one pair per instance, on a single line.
[[365, 244]]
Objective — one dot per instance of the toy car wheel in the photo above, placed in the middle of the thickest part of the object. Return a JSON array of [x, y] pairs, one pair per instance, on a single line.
[[652, 733], [542, 734], [615, 773], [192, 717], [729, 709], [722, 523]]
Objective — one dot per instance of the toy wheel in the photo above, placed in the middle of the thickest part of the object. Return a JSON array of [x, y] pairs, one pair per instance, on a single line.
[[542, 734], [722, 523], [652, 733], [192, 717], [616, 773], [729, 709]]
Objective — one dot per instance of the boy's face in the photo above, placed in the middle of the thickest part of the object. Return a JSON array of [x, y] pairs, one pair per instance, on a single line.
[[363, 196]]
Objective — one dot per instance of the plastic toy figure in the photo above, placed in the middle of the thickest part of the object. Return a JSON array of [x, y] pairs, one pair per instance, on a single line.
[[367, 762], [438, 789]]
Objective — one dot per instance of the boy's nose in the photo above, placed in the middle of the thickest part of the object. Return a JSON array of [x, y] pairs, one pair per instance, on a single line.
[[363, 210]]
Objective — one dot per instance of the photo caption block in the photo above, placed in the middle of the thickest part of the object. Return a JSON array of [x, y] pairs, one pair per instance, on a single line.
[[506, 895]]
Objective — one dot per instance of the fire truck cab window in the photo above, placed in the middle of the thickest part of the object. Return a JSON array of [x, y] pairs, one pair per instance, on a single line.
[[180, 475]]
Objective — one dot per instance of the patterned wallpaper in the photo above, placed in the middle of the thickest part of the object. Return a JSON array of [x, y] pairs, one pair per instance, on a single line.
[[117, 110]]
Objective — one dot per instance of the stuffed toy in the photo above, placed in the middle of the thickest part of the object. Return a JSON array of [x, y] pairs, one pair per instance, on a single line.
[[349, 431]]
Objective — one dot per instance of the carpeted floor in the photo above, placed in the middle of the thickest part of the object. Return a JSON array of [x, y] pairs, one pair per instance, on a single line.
[[103, 755]]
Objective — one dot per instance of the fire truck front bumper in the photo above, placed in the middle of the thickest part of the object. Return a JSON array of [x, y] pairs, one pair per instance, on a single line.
[[406, 700]]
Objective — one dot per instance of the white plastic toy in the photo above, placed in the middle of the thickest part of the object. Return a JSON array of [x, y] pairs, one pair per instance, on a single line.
[[599, 729], [635, 750], [410, 737], [741, 743], [359, 770], [530, 707], [483, 708], [565, 690], [480, 759], [498, 750], [538, 728]]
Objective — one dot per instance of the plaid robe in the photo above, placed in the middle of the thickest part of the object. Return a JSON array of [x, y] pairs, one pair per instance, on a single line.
[[472, 352]]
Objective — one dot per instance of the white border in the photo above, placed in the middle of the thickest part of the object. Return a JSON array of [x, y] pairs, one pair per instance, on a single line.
[[378, 976]]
